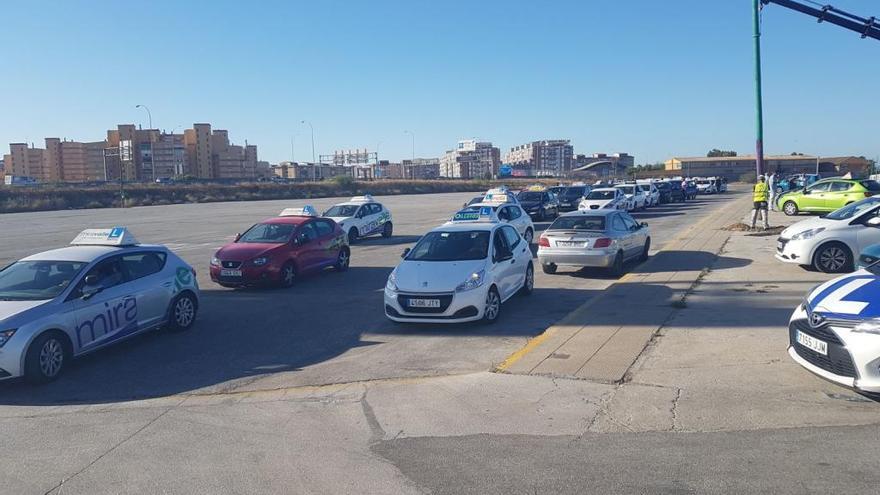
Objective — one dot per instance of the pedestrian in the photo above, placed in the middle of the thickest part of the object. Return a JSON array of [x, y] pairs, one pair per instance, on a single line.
[[771, 182], [760, 195]]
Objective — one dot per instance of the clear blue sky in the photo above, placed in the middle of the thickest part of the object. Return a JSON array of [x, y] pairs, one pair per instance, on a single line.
[[650, 77]]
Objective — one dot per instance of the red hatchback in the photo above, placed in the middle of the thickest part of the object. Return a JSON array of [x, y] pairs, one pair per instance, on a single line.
[[278, 250]]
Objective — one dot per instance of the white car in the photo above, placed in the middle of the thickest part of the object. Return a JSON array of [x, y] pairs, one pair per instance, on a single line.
[[706, 186], [651, 191], [604, 198], [460, 271], [637, 198], [104, 288], [361, 216], [507, 212], [835, 331], [830, 243]]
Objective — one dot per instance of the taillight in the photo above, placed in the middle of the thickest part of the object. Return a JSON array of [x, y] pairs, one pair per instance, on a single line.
[[544, 242], [868, 194], [602, 242]]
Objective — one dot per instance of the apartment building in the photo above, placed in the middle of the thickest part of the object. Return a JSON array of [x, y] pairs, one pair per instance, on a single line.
[[169, 156], [471, 160], [25, 161], [199, 151], [548, 158]]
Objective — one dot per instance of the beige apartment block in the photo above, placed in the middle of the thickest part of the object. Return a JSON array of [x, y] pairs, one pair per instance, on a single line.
[[199, 151], [25, 161]]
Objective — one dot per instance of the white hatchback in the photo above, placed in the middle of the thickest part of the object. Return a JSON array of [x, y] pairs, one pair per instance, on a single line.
[[361, 216], [636, 197], [103, 289]]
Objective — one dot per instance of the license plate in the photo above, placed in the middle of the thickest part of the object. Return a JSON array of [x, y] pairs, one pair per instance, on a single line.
[[424, 303], [812, 343], [780, 245], [569, 244], [230, 273]]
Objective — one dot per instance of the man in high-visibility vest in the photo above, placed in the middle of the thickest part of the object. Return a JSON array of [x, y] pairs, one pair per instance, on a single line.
[[760, 196]]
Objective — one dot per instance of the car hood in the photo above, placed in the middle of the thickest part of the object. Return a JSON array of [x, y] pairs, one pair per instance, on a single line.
[[599, 202], [811, 223], [435, 276], [244, 251], [12, 313], [861, 288], [339, 220]]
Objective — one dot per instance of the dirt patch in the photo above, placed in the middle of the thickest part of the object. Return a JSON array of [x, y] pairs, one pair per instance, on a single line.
[[757, 232]]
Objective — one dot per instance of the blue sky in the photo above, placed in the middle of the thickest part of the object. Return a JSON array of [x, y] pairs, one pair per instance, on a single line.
[[653, 78]]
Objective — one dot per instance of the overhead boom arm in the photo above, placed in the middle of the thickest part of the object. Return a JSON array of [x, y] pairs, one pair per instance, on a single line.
[[868, 28]]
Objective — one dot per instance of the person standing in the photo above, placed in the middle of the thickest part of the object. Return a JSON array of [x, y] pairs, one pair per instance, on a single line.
[[760, 196], [771, 182]]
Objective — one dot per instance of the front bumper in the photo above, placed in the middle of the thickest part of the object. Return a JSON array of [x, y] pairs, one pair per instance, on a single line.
[[456, 307], [12, 355], [250, 275], [566, 206], [569, 257], [797, 252]]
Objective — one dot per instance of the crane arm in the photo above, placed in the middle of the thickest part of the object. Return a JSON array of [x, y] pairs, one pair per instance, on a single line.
[[868, 28]]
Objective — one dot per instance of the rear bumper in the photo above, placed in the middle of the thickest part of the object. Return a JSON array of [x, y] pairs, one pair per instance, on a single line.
[[568, 257]]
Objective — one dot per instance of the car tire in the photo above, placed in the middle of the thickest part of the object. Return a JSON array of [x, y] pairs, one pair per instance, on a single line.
[[287, 276], [790, 208], [182, 312], [492, 309], [529, 235], [343, 260], [645, 251], [352, 235], [833, 257], [47, 357], [549, 268], [529, 283], [616, 268], [387, 230]]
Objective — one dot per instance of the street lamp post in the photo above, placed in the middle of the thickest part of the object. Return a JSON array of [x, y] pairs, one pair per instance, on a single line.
[[412, 163], [759, 110], [150, 119], [314, 165]]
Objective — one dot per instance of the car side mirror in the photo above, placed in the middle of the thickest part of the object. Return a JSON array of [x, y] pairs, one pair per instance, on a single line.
[[643, 225], [91, 287], [237, 237], [405, 253], [873, 222]]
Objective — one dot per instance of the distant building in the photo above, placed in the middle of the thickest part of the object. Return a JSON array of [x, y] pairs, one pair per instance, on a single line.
[[169, 156], [859, 166], [470, 160], [602, 165], [304, 171], [548, 158], [733, 167], [421, 168], [25, 161]]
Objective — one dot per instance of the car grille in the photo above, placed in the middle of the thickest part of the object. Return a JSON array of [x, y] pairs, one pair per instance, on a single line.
[[445, 301], [823, 332], [230, 264], [838, 360], [780, 244]]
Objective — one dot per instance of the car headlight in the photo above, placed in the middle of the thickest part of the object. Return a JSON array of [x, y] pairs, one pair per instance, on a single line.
[[391, 284], [215, 261], [807, 234], [868, 326], [475, 280], [6, 335], [262, 260]]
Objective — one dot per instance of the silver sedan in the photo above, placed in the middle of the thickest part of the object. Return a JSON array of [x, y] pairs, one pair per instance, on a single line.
[[593, 238]]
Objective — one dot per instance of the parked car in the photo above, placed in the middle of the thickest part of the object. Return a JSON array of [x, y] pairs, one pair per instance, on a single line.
[[706, 186], [671, 191], [827, 195], [635, 195], [571, 197], [651, 192], [539, 204], [690, 189]]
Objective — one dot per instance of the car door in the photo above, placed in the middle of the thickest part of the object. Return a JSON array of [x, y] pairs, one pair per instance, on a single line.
[[866, 234], [152, 288], [517, 218], [622, 234], [106, 306], [837, 195], [635, 233], [522, 254], [327, 243], [503, 263], [814, 197], [308, 249]]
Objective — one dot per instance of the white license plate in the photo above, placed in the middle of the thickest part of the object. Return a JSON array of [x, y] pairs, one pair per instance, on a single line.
[[812, 343], [569, 244], [780, 245], [424, 303], [230, 273]]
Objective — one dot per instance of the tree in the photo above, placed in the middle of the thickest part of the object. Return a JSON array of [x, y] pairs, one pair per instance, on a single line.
[[715, 152]]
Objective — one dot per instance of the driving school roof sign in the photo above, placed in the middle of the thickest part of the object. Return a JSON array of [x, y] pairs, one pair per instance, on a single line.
[[116, 236]]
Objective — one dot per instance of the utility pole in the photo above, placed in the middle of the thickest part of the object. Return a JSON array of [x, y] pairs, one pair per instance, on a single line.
[[759, 110], [314, 164], [152, 161], [412, 163]]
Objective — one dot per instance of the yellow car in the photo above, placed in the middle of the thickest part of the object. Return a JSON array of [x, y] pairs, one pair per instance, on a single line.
[[827, 195]]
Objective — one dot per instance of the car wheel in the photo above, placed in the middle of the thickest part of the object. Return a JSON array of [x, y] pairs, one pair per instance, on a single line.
[[529, 236], [343, 259], [529, 283], [387, 230], [616, 268], [549, 268], [47, 357], [790, 208], [645, 252], [492, 310], [288, 275], [833, 257], [182, 312], [352, 235]]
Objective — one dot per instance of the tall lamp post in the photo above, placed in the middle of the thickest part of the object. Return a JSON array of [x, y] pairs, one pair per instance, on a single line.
[[412, 164], [759, 110], [314, 165], [150, 119]]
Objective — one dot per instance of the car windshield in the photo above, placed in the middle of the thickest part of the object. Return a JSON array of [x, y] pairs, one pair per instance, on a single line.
[[601, 195], [451, 246], [573, 192], [871, 185], [645, 187], [529, 196], [627, 189], [579, 222], [341, 211], [277, 233], [37, 280], [663, 185], [854, 209], [704, 182], [475, 201]]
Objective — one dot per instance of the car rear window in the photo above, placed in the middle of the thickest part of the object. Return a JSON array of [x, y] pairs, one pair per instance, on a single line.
[[871, 185], [579, 222]]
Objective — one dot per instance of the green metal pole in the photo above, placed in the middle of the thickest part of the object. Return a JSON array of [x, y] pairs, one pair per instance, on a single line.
[[759, 111]]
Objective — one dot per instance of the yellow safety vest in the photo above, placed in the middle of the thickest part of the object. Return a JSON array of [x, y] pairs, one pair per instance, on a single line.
[[761, 192]]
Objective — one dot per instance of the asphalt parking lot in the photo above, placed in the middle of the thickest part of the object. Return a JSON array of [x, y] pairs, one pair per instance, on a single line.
[[329, 328]]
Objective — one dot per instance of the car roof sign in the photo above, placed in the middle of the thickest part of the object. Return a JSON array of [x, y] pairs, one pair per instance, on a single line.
[[496, 198], [305, 211], [366, 198], [483, 214], [116, 236]]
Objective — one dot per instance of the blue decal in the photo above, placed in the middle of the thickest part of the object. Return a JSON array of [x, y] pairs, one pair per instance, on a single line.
[[120, 318], [116, 232], [485, 211], [863, 297]]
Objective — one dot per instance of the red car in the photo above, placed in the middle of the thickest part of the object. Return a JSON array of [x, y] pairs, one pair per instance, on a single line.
[[280, 249]]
